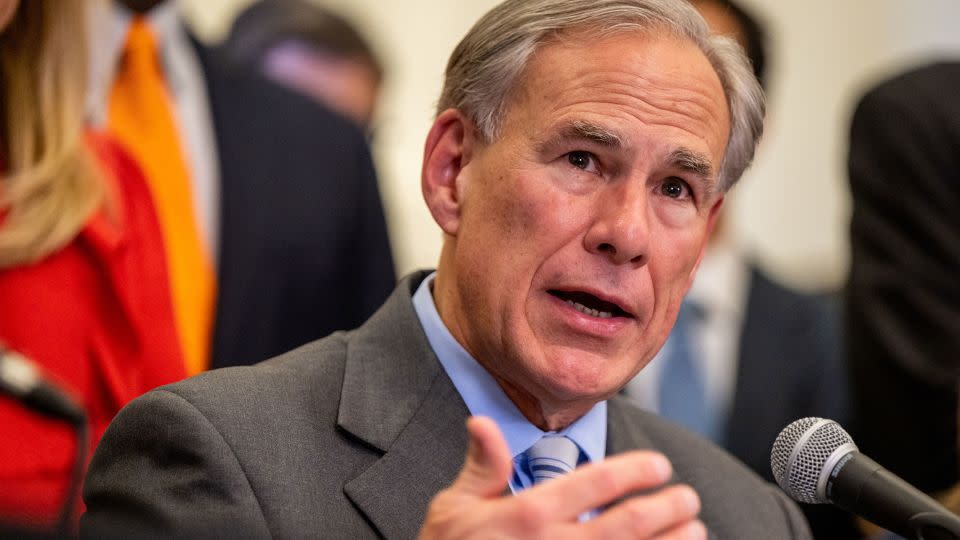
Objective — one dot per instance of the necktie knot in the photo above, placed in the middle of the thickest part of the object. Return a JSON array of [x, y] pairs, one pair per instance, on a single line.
[[140, 52], [552, 456]]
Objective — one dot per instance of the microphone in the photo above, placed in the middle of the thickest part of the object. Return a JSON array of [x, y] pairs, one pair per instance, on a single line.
[[816, 461], [20, 379]]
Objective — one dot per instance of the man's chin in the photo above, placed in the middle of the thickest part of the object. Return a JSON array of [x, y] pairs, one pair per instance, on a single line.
[[582, 370]]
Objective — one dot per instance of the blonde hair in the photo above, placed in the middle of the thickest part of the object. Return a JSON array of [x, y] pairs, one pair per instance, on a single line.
[[50, 184]]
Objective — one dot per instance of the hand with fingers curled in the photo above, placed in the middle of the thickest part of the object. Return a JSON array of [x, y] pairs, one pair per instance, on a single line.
[[474, 505]]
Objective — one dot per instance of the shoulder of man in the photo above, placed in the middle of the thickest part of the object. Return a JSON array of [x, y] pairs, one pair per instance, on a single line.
[[921, 83], [197, 457], [304, 370], [254, 451]]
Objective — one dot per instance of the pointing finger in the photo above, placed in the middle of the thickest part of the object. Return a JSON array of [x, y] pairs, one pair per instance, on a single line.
[[488, 465], [597, 484]]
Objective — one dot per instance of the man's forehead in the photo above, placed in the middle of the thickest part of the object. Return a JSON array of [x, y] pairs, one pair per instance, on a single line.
[[613, 91], [643, 59]]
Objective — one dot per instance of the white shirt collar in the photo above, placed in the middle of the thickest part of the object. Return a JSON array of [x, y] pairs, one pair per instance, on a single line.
[[483, 396], [108, 23]]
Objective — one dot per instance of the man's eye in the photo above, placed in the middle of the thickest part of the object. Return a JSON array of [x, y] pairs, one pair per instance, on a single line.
[[583, 160], [675, 188]]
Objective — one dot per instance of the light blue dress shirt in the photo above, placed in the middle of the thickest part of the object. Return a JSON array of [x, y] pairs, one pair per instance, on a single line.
[[484, 397]]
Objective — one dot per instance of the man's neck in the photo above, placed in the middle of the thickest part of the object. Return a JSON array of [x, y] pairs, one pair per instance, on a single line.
[[536, 412]]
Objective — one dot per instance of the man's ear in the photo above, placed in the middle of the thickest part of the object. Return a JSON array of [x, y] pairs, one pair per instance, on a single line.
[[447, 152], [712, 218]]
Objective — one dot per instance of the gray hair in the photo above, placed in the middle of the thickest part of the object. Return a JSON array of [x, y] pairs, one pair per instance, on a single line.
[[485, 65]]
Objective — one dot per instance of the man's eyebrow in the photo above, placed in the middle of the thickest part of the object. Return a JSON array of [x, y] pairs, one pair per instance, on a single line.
[[583, 131], [692, 162]]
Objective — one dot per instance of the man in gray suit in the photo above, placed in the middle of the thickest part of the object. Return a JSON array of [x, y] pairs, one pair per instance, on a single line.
[[576, 166]]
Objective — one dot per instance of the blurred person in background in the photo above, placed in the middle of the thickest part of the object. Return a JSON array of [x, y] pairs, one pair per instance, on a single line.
[[748, 355], [269, 202], [903, 292], [83, 283], [310, 49]]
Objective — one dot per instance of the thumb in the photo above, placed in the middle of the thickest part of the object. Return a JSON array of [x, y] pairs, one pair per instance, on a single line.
[[488, 466]]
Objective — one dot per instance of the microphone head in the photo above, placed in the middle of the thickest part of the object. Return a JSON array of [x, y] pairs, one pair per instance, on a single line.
[[18, 376], [804, 455]]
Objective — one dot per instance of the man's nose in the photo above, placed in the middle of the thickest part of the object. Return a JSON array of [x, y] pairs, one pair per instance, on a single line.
[[620, 229]]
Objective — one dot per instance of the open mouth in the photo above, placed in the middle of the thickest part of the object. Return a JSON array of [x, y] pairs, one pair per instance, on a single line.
[[590, 305]]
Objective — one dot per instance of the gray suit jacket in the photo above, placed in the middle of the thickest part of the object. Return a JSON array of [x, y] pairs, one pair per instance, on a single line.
[[349, 436]]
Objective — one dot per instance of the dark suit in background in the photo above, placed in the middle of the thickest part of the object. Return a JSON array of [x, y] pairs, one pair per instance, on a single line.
[[303, 243], [369, 429], [903, 297], [789, 367], [300, 236]]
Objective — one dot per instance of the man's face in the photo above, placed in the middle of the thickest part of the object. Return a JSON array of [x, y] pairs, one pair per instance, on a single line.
[[580, 227], [7, 9]]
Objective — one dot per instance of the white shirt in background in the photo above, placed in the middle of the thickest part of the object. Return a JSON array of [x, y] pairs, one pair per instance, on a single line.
[[108, 23]]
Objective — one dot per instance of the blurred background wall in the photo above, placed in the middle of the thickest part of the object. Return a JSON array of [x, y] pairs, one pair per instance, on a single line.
[[791, 209]]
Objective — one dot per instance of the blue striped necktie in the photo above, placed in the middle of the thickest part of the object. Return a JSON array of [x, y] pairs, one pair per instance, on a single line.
[[552, 456]]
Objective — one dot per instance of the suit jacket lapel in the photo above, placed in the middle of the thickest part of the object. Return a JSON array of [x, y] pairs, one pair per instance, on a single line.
[[624, 433], [397, 398]]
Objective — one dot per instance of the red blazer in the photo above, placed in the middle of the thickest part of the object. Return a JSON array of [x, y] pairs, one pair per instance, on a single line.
[[96, 316]]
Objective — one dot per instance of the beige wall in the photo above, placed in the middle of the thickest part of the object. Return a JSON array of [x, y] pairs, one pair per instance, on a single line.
[[792, 206]]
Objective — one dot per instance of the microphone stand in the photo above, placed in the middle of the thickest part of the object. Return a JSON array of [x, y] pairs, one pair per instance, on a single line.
[[65, 521], [935, 526], [20, 379]]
